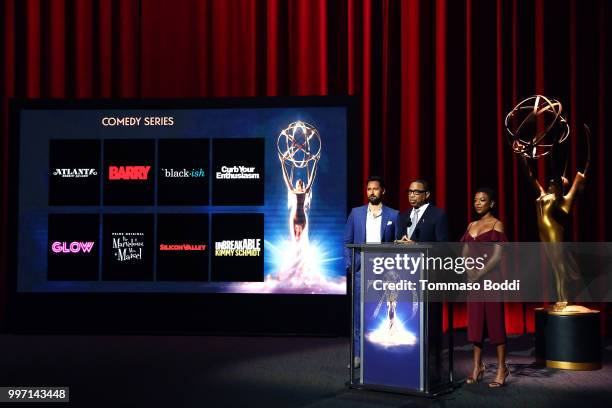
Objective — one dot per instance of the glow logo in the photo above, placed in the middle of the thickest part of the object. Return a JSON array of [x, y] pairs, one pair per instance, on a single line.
[[74, 247]]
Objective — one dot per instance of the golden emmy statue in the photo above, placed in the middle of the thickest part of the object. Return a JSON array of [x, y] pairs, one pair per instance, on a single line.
[[538, 130]]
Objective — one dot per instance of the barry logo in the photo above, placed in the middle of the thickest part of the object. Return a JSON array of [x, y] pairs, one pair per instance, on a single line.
[[71, 247], [128, 172]]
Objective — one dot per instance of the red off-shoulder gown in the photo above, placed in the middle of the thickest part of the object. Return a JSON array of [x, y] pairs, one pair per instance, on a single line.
[[489, 313]]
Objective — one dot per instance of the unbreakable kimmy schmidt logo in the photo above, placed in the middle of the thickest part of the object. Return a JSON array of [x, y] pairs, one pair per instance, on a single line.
[[128, 172], [74, 173], [242, 247], [74, 247], [183, 173]]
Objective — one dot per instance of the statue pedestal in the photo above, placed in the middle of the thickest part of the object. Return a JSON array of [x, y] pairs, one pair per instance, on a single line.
[[569, 339]]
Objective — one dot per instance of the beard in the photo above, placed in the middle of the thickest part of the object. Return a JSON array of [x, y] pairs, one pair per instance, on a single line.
[[374, 200]]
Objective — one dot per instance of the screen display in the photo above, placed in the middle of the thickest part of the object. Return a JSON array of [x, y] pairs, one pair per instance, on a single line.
[[244, 199]]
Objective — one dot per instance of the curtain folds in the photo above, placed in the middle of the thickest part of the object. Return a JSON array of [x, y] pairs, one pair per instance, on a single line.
[[434, 80]]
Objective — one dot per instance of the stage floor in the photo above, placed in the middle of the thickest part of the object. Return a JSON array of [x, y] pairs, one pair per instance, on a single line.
[[201, 371]]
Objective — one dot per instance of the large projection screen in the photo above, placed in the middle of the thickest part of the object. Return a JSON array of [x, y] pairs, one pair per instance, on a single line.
[[232, 199]]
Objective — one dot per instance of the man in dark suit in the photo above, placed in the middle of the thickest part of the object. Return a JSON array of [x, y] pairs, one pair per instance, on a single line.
[[370, 223], [423, 222]]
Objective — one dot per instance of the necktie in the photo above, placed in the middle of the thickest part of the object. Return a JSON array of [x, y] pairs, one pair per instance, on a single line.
[[414, 217]]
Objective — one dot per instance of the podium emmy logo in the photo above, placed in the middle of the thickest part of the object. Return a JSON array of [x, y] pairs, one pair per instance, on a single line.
[[128, 172], [63, 247]]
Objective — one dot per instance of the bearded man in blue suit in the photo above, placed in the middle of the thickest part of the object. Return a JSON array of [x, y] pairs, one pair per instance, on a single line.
[[372, 223]]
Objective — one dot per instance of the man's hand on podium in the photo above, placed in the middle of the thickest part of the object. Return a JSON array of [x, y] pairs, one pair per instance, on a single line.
[[404, 240]]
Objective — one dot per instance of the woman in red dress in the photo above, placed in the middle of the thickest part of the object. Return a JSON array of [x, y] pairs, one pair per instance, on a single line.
[[486, 314]]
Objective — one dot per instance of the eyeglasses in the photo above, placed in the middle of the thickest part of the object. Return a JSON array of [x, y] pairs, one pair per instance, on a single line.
[[416, 192]]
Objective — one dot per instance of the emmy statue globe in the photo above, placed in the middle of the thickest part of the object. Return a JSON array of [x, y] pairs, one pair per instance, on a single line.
[[537, 130]]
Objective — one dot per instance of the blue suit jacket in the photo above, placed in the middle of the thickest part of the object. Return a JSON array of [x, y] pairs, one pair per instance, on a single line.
[[355, 231]]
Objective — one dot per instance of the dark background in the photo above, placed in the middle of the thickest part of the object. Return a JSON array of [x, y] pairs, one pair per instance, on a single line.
[[179, 155], [74, 266], [434, 80], [237, 268], [189, 229], [129, 152], [129, 269], [238, 152], [74, 191]]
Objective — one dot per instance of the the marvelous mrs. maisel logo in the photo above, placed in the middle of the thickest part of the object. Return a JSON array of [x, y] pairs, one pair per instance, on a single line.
[[128, 246]]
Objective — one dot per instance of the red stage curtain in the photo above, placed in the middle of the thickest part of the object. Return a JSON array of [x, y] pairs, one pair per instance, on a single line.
[[434, 80]]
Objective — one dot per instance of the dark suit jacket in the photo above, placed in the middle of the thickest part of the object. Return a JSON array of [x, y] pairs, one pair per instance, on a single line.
[[432, 227], [355, 230]]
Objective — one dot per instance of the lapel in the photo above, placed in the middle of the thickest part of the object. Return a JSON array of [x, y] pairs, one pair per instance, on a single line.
[[364, 220], [422, 220], [383, 223]]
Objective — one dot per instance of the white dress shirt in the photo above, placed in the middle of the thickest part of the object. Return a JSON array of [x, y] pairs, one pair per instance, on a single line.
[[373, 226]]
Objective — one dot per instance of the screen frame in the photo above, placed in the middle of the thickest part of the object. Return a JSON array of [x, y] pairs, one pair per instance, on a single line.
[[73, 312]]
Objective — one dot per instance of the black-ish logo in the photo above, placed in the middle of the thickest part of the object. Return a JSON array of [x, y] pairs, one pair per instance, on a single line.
[[183, 173]]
